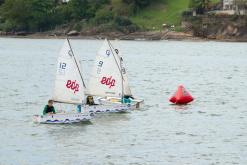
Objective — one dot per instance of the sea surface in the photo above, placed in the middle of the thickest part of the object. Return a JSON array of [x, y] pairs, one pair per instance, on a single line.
[[211, 130]]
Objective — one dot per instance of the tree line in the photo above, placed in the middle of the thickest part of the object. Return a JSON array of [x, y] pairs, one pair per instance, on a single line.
[[43, 15]]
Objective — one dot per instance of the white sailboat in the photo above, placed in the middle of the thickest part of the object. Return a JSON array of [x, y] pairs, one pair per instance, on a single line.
[[109, 78], [68, 89]]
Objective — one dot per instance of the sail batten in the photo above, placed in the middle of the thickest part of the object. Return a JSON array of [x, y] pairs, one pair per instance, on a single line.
[[69, 86]]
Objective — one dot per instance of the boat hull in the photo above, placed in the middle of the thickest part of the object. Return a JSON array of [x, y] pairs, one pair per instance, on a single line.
[[135, 103], [61, 118], [110, 108]]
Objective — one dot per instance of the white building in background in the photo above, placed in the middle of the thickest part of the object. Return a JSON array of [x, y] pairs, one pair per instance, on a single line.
[[65, 1], [231, 7], [228, 4]]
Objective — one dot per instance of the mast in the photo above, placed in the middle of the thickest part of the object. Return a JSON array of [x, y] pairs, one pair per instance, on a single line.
[[76, 63], [122, 79], [119, 67]]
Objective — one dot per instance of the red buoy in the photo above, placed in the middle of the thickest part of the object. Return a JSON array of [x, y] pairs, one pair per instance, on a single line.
[[181, 96]]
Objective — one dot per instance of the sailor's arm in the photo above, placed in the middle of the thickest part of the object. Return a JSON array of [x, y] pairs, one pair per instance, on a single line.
[[53, 110], [44, 111]]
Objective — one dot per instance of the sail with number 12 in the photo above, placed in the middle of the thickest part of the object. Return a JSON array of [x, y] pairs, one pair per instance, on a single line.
[[68, 89]]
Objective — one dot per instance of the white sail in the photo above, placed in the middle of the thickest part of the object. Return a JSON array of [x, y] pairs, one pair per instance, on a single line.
[[126, 86], [69, 87], [106, 78]]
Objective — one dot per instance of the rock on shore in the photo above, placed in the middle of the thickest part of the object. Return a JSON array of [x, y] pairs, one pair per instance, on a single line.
[[158, 35]]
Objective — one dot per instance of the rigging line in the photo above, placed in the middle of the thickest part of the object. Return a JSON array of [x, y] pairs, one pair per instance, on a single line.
[[76, 63], [121, 58]]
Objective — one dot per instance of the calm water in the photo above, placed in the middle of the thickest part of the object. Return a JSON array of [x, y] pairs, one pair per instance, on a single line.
[[212, 130]]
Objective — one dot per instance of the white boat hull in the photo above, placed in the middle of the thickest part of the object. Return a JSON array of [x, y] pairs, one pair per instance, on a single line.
[[111, 108], [61, 118], [135, 103]]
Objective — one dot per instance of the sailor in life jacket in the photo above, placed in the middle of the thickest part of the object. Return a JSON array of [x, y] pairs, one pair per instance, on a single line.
[[90, 100], [49, 109], [127, 99]]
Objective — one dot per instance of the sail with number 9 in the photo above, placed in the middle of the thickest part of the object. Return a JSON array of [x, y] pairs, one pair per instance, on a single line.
[[108, 77]]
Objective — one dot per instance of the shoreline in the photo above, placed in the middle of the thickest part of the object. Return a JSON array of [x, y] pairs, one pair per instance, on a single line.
[[136, 36]]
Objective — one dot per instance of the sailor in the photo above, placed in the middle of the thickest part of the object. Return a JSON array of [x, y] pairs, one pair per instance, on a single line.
[[49, 109], [90, 100], [78, 108], [126, 99]]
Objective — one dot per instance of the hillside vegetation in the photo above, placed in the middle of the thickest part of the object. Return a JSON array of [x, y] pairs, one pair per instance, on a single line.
[[99, 15], [161, 12]]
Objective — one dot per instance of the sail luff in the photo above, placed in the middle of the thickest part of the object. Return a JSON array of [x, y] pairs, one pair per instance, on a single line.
[[111, 47], [125, 84]]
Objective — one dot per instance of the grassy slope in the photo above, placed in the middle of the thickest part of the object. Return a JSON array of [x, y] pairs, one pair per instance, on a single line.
[[164, 11], [160, 12], [215, 1]]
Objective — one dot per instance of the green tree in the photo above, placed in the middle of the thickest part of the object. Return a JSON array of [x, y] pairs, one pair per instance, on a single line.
[[40, 14], [199, 5], [138, 3], [29, 15], [103, 16], [77, 9], [1, 2], [16, 13]]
